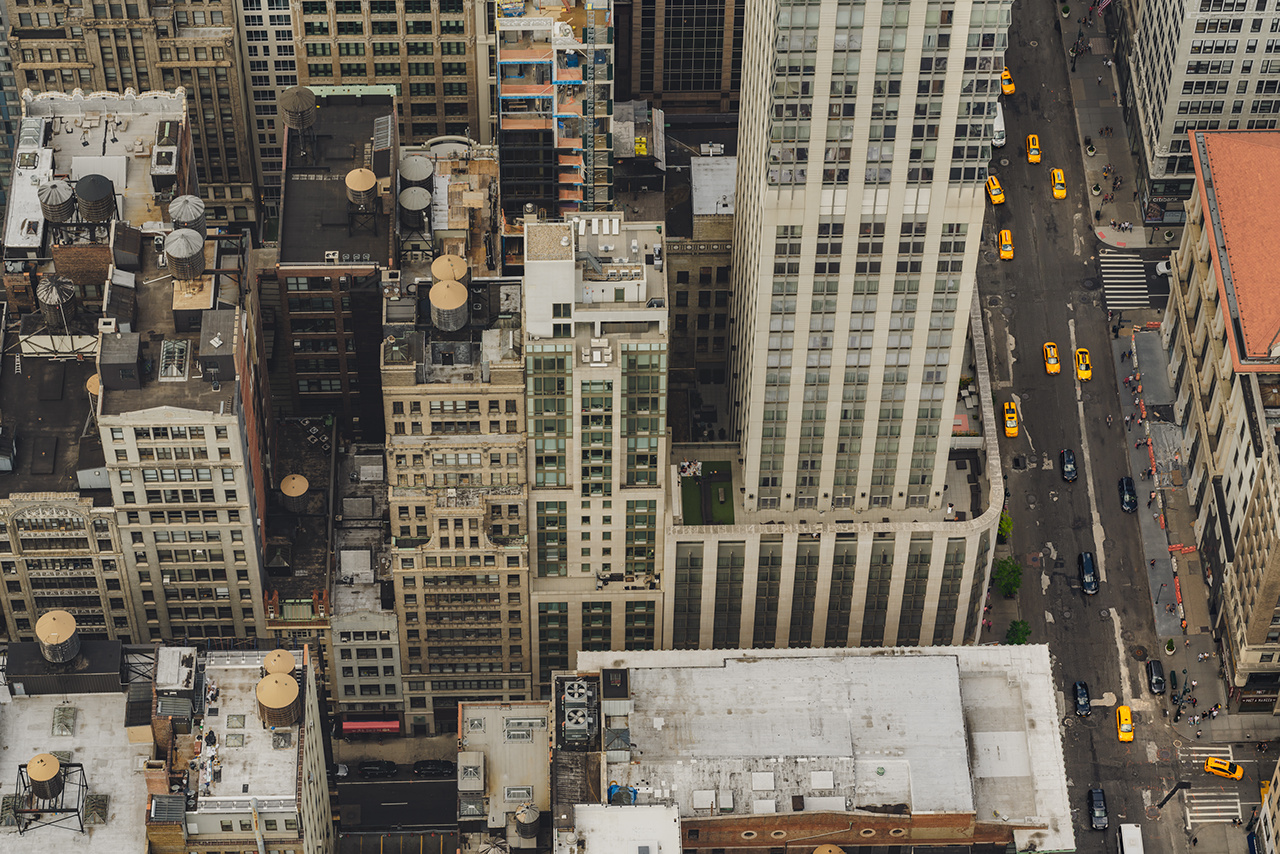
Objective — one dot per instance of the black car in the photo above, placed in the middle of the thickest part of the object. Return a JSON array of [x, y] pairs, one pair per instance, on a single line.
[[1128, 496], [377, 768], [1155, 677], [1067, 464], [436, 769], [1083, 705], [1088, 572], [1097, 809]]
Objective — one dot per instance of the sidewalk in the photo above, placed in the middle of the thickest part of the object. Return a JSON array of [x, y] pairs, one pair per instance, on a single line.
[[1094, 92]]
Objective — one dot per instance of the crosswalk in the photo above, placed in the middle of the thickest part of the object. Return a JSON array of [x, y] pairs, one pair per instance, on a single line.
[[1210, 800], [1124, 281]]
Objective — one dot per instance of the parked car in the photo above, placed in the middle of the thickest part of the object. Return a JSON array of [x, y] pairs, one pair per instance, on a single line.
[[1067, 464], [1084, 706], [1128, 495], [339, 771], [1097, 809], [435, 769], [1088, 572], [1155, 676], [372, 769]]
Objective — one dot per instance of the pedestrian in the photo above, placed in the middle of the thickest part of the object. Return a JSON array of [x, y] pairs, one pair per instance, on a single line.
[[1148, 503], [1215, 714], [1194, 683], [1187, 642], [1127, 424], [1135, 195], [1153, 563], [1198, 732], [1099, 79], [1195, 840], [1137, 445], [1113, 225]]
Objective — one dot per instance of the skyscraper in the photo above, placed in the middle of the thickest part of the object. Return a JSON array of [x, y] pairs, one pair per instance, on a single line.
[[863, 146]]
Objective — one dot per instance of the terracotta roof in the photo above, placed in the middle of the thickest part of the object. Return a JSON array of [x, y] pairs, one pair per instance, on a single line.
[[1243, 167]]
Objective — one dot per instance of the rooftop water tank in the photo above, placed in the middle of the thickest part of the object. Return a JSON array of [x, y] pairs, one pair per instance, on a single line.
[[56, 633], [527, 821], [45, 772], [449, 311], [416, 170], [362, 187], [184, 250], [96, 196], [57, 296], [450, 268], [279, 661], [188, 212], [414, 202], [279, 700], [293, 494], [57, 201], [298, 106]]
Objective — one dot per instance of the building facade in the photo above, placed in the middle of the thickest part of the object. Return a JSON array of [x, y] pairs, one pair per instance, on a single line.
[[1226, 377], [1183, 67], [684, 55], [596, 378], [148, 46]]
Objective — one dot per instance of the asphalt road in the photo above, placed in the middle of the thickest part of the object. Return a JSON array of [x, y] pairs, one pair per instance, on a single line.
[[1041, 295]]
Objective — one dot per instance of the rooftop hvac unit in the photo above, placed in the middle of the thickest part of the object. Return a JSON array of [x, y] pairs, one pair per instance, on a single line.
[[578, 724], [578, 694], [331, 257]]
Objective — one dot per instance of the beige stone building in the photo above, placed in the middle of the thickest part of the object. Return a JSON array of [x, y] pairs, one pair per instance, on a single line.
[[149, 46], [1221, 327]]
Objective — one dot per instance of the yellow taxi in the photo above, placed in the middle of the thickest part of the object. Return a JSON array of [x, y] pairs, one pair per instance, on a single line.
[[1051, 363], [1006, 245], [1006, 82], [1223, 768], [994, 191], [1124, 723], [1059, 180], [1011, 419], [1084, 368], [1033, 148]]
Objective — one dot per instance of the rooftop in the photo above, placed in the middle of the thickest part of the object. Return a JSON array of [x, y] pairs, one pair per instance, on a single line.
[[464, 206], [359, 533], [168, 339], [47, 406], [351, 132], [263, 759], [713, 185], [936, 729], [297, 544], [90, 729], [508, 761], [139, 142], [1237, 172], [606, 829]]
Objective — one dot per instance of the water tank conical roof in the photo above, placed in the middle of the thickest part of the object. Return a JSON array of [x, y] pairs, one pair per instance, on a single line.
[[293, 492], [527, 821], [96, 196], [184, 250], [449, 268], [55, 290], [414, 202], [279, 661], [298, 106], [415, 170], [57, 201], [362, 187], [279, 700], [56, 633], [449, 306], [188, 212], [45, 773]]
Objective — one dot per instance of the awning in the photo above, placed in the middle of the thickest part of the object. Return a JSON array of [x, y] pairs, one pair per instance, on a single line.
[[370, 726]]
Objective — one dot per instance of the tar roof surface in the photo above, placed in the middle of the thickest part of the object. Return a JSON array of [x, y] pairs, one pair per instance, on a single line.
[[47, 406], [112, 766], [1239, 184], [313, 208]]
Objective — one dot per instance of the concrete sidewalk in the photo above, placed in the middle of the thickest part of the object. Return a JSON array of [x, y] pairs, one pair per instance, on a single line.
[[1094, 90]]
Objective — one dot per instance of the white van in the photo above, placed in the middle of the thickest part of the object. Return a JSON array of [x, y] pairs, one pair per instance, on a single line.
[[998, 137]]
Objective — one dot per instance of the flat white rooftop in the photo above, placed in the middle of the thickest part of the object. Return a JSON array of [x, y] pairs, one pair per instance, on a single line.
[[261, 759], [937, 729], [606, 829], [95, 737]]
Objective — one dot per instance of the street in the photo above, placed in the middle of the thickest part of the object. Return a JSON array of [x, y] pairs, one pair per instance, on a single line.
[[1049, 292]]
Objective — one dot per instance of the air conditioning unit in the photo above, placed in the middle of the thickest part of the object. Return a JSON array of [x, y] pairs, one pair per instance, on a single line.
[[331, 257]]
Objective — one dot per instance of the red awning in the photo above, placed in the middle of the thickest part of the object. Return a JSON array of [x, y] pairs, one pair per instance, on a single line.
[[370, 726]]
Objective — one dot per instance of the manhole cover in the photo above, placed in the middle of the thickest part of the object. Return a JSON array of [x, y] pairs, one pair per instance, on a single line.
[[1019, 463], [1153, 812], [993, 301], [1034, 43], [1104, 615], [1090, 284], [1004, 161], [988, 255], [1164, 754], [1066, 615], [1139, 653], [1007, 312]]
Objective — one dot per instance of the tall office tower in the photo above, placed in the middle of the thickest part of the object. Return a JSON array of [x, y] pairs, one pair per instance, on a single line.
[[596, 375], [453, 391], [1225, 370], [152, 45], [425, 48], [684, 55], [10, 109], [1185, 67], [336, 250], [856, 240], [555, 105]]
